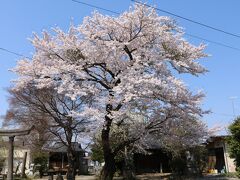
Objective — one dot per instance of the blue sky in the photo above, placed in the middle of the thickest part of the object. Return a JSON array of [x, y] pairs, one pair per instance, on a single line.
[[19, 19]]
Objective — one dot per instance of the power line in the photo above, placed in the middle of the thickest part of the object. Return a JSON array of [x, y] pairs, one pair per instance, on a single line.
[[190, 35], [115, 12], [214, 42], [15, 53], [97, 7], [190, 20], [222, 114]]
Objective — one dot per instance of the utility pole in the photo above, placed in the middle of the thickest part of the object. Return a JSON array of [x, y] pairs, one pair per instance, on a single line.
[[233, 107]]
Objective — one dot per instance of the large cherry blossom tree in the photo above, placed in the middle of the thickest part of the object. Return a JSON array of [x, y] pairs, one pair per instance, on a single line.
[[128, 63]]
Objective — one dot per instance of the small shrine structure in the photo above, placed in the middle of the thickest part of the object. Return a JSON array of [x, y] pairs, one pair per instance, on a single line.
[[11, 134]]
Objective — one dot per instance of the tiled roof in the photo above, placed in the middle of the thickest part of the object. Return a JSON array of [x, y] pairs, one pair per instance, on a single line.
[[60, 147]]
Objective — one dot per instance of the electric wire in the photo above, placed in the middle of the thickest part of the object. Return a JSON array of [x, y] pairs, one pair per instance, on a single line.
[[190, 35], [190, 20], [14, 53], [114, 12], [97, 7], [213, 42]]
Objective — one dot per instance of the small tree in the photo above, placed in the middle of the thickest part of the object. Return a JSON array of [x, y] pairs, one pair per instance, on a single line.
[[40, 160], [51, 114], [234, 142]]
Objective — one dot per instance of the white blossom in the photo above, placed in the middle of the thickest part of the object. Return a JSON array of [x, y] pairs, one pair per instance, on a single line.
[[126, 61]]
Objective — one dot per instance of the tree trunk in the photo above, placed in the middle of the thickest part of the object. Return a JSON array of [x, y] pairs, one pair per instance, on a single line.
[[128, 169], [109, 168], [71, 163]]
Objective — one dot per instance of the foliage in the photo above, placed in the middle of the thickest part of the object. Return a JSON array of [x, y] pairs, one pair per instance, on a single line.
[[234, 142], [231, 174], [40, 161], [97, 152], [116, 137], [123, 159], [200, 158], [178, 164], [191, 161]]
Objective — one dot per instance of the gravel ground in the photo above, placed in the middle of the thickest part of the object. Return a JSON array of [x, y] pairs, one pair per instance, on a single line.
[[76, 178]]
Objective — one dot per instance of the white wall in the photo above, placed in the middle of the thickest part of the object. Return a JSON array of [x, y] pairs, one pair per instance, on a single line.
[[18, 158]]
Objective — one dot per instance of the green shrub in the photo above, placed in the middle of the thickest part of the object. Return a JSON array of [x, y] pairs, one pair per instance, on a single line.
[[234, 143]]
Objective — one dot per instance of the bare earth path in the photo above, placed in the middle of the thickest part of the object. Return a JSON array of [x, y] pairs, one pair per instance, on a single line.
[[154, 177]]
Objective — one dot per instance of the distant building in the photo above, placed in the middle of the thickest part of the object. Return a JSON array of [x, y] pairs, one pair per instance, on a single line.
[[155, 162], [218, 159], [218, 155], [58, 160]]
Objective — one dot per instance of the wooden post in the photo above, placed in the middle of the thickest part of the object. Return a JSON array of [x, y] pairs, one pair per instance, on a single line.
[[161, 171], [10, 158], [62, 159], [23, 175]]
